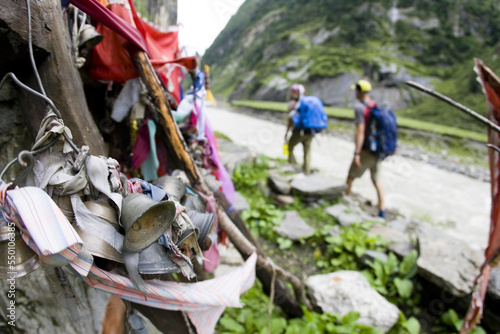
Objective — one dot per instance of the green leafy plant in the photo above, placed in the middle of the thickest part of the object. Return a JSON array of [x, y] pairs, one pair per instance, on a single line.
[[450, 322], [343, 250]]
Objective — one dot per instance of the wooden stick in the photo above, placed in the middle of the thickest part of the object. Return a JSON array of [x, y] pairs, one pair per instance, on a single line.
[[244, 246], [455, 104], [178, 148]]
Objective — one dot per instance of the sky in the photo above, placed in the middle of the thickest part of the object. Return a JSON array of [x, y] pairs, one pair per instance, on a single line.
[[202, 20]]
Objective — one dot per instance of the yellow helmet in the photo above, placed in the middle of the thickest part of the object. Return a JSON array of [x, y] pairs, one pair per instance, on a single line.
[[364, 86]]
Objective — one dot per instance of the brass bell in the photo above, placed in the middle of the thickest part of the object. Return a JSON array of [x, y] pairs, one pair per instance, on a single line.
[[155, 260], [172, 185], [89, 37], [13, 248], [144, 220]]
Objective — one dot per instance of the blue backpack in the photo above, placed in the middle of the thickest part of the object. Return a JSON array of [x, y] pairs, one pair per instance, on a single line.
[[311, 114], [381, 134]]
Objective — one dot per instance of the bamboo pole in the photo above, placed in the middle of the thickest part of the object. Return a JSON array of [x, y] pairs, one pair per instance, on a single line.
[[455, 104]]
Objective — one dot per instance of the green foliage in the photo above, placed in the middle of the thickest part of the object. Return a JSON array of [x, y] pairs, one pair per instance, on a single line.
[[451, 323], [262, 218], [247, 176], [343, 250], [254, 319]]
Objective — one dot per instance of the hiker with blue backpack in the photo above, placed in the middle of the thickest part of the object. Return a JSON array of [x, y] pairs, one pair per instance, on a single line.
[[307, 117], [375, 139]]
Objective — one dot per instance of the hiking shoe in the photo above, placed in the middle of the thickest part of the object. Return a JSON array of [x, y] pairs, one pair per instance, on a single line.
[[381, 213]]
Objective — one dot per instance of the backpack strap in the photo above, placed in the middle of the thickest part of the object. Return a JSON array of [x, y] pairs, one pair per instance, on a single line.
[[368, 109]]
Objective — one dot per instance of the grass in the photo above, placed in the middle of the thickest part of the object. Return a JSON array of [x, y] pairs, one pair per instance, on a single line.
[[346, 113]]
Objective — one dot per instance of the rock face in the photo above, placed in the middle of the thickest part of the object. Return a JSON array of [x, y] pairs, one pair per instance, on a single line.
[[344, 291], [232, 155], [41, 308], [445, 261], [293, 227], [317, 185]]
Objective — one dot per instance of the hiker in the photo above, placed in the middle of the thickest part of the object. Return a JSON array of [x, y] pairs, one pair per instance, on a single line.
[[363, 159], [307, 117]]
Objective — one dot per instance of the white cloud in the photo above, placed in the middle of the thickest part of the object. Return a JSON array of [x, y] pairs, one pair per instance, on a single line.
[[202, 20]]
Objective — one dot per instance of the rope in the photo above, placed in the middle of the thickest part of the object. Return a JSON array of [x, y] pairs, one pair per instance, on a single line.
[[30, 46]]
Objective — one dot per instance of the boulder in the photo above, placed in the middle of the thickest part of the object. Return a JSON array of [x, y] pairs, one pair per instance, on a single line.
[[294, 227], [344, 291], [240, 203], [232, 155], [445, 261], [317, 185]]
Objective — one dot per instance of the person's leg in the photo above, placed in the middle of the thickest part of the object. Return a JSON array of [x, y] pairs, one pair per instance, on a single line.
[[375, 175], [292, 142], [355, 172], [306, 142]]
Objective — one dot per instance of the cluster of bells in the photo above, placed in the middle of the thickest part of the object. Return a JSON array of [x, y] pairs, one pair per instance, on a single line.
[[144, 221]]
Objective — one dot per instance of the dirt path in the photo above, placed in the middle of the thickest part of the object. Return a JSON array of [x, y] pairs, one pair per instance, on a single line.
[[459, 204]]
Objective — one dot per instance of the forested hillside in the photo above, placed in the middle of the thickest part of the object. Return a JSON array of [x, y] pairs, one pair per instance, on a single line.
[[329, 44]]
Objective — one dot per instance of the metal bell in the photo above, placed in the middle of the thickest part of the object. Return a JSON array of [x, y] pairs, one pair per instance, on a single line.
[[105, 211], [144, 220], [11, 244], [193, 202], [97, 246], [203, 222], [172, 185], [155, 260], [89, 37]]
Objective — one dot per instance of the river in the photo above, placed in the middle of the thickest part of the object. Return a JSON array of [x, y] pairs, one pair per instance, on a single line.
[[454, 202]]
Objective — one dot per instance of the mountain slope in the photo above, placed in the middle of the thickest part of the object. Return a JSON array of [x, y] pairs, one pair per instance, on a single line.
[[329, 44]]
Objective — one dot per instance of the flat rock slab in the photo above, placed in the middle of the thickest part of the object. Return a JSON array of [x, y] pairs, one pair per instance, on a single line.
[[232, 155], [344, 291], [318, 185], [389, 234], [240, 203], [345, 215], [445, 261], [293, 227], [279, 184], [282, 200], [371, 255], [401, 249]]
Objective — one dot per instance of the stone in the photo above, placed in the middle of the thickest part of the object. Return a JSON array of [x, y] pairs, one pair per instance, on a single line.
[[344, 291], [345, 215], [318, 185], [445, 261], [294, 227], [494, 284], [371, 255], [388, 234], [279, 184], [282, 200], [233, 155], [240, 203], [401, 249]]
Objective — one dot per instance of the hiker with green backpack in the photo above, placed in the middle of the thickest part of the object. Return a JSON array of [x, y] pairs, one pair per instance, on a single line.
[[307, 117], [375, 139]]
